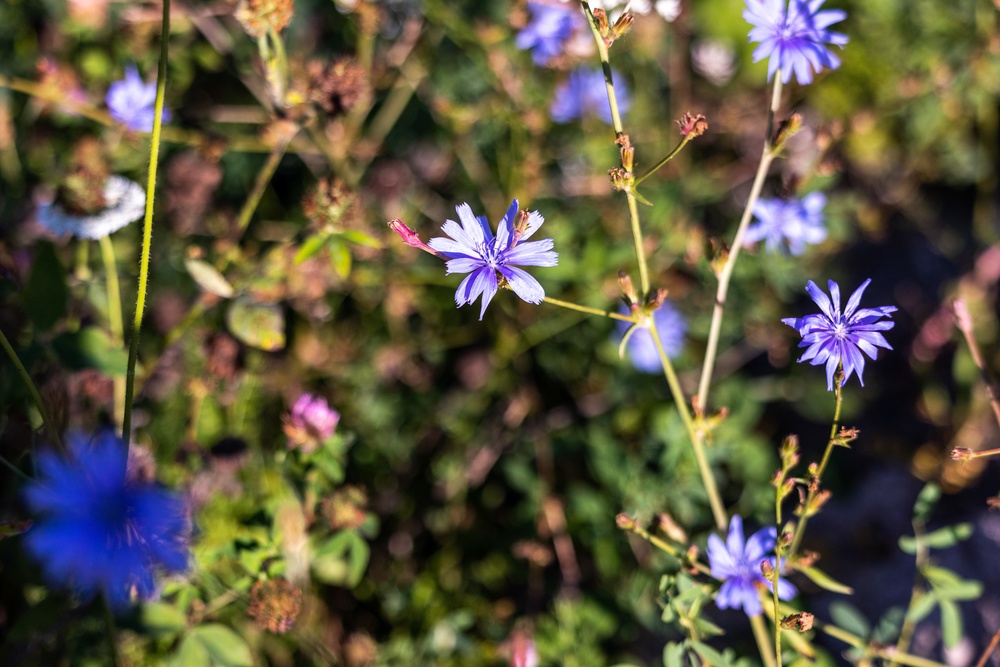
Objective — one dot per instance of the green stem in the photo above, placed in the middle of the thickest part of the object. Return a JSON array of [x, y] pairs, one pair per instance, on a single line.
[[670, 156], [36, 398], [82, 260], [767, 156], [109, 622], [763, 643], [115, 320], [668, 548], [697, 443], [800, 528], [147, 225], [909, 625], [263, 178], [590, 311], [14, 469]]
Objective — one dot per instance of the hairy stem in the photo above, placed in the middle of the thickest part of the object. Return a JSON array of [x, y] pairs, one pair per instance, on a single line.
[[767, 156], [115, 319], [800, 527], [147, 224], [697, 442]]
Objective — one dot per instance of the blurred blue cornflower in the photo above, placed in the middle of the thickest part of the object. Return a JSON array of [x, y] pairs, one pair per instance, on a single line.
[[124, 203], [99, 529], [795, 37], [790, 224], [737, 564], [834, 338], [585, 92], [671, 326], [548, 30], [473, 249], [131, 102]]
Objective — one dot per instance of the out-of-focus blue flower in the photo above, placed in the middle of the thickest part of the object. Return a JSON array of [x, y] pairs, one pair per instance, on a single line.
[[547, 31], [99, 531], [834, 338], [794, 36], [737, 564], [585, 92], [125, 202], [473, 249], [131, 102], [790, 224], [671, 326]]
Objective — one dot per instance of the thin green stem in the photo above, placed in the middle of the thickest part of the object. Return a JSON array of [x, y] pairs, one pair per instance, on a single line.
[[670, 156], [909, 624], [590, 311], [697, 442], [147, 224], [767, 156], [115, 320], [668, 548], [640, 251], [14, 469], [800, 528], [260, 184], [763, 642], [36, 398], [82, 271], [109, 622]]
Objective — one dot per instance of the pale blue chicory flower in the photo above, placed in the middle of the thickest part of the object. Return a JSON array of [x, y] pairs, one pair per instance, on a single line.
[[585, 93], [641, 348], [131, 102], [99, 531], [124, 203], [473, 249], [736, 563], [834, 338], [548, 30], [788, 224], [794, 35]]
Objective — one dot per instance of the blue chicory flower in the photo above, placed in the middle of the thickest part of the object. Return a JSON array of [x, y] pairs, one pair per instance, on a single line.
[[489, 260], [131, 102], [585, 92], [671, 326], [793, 33], [547, 31], [97, 529], [834, 338], [791, 224], [737, 564]]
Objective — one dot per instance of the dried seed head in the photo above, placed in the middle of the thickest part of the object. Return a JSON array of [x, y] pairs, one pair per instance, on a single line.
[[82, 189], [345, 509], [337, 86], [256, 16], [692, 126], [275, 604], [329, 203]]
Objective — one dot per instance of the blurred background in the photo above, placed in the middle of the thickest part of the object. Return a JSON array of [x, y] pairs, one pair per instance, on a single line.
[[482, 463]]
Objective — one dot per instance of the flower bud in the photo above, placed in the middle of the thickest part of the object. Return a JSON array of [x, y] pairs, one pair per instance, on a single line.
[[669, 527], [961, 454], [627, 288], [620, 27], [624, 521]]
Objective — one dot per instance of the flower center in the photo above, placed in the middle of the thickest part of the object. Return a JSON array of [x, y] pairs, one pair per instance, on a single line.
[[489, 254], [840, 331]]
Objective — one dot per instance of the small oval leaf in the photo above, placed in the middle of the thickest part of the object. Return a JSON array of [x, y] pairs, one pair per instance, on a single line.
[[823, 580], [260, 325], [209, 278]]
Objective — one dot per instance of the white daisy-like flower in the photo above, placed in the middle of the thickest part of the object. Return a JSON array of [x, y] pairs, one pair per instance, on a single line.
[[125, 202]]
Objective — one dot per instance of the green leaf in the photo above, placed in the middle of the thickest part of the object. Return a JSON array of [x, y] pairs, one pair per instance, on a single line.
[[849, 618], [823, 580], [925, 502], [340, 258], [225, 647], [711, 656], [310, 247], [158, 618], [951, 623], [90, 347], [362, 239], [941, 538], [921, 607], [949, 586], [260, 325], [45, 295], [342, 560], [208, 278], [673, 655], [190, 653]]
